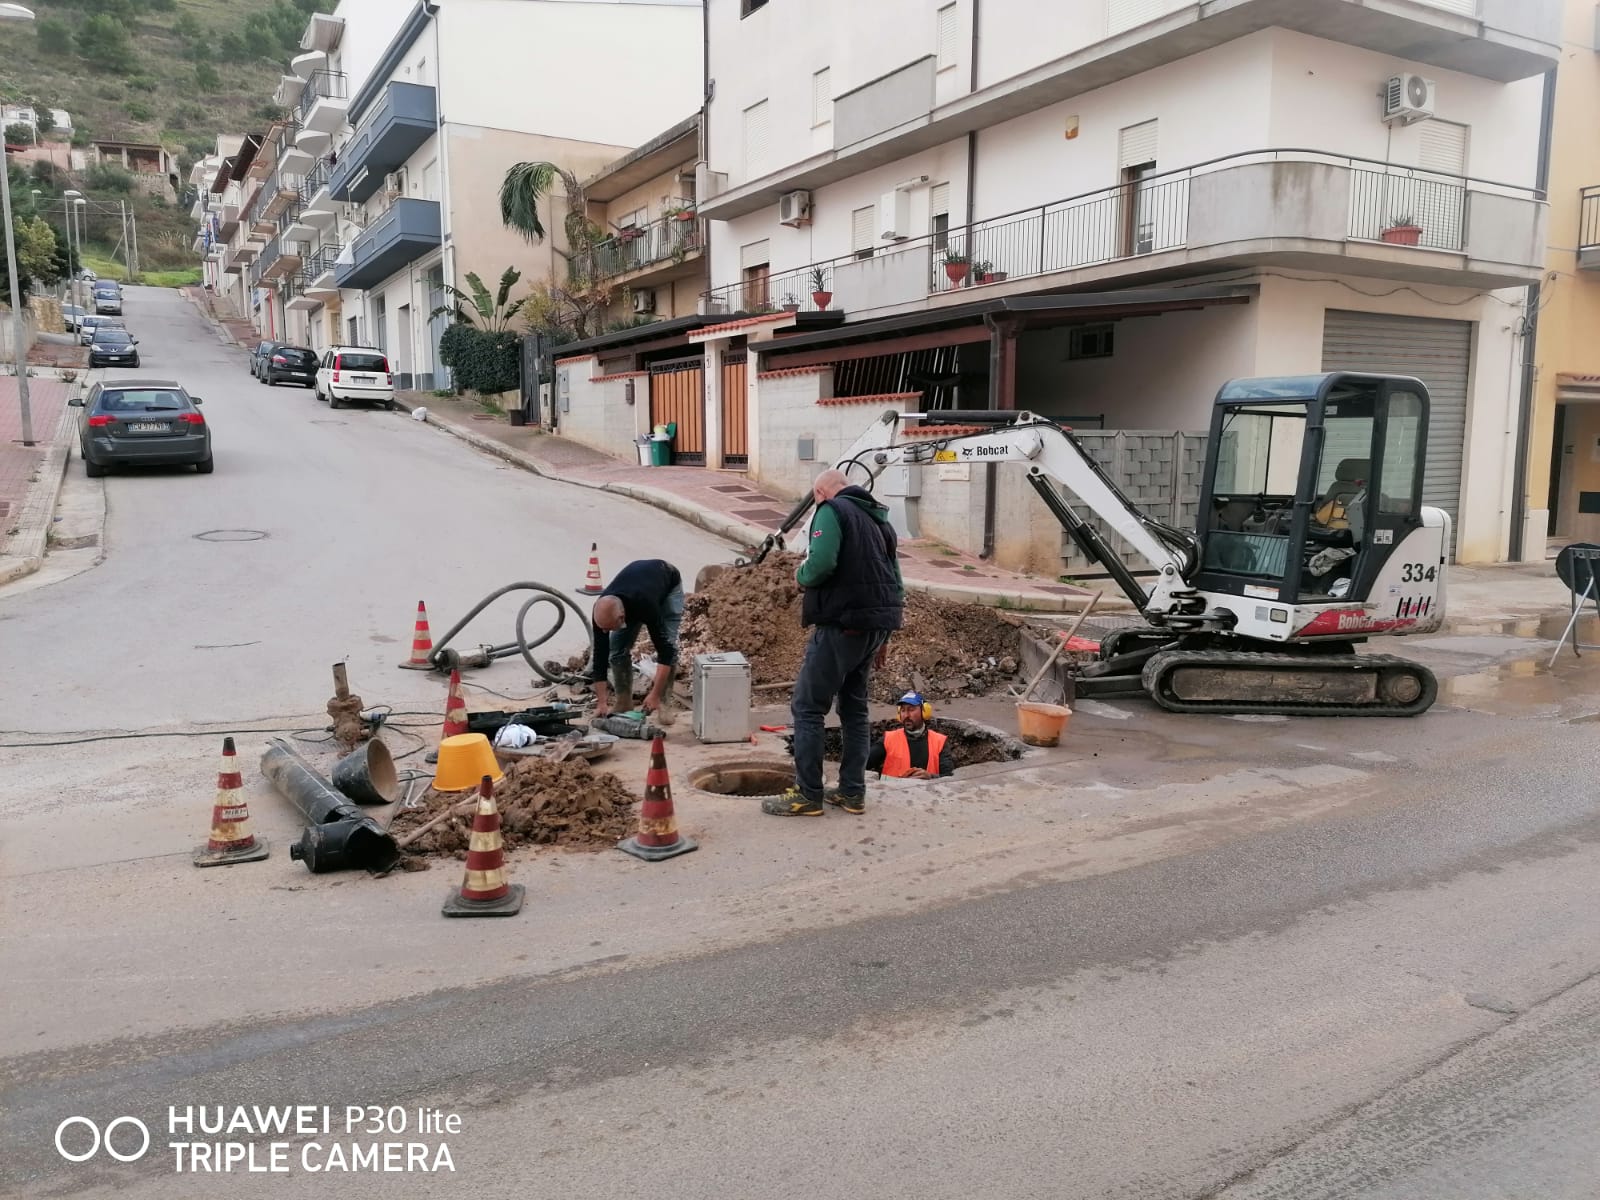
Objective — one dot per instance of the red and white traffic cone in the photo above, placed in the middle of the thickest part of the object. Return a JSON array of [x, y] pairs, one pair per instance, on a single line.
[[658, 835], [231, 840], [591, 577], [485, 891], [421, 643], [455, 709]]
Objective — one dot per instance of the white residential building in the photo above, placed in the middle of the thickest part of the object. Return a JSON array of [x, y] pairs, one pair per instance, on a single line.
[[402, 120], [1238, 158]]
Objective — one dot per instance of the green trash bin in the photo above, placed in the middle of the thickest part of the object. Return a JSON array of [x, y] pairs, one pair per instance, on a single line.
[[660, 451]]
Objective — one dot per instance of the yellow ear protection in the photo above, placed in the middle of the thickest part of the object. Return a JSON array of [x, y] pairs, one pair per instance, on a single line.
[[911, 698]]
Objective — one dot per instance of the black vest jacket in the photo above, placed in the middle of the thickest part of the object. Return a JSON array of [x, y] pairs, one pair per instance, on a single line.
[[862, 592]]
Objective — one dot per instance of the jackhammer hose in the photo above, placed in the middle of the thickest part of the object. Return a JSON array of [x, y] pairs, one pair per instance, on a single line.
[[524, 645]]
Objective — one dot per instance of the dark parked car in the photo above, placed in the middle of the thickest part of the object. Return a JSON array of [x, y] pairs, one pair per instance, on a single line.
[[289, 364], [108, 300], [260, 354], [113, 348], [138, 423]]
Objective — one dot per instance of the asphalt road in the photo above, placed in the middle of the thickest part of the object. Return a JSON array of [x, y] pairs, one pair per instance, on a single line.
[[1200, 958]]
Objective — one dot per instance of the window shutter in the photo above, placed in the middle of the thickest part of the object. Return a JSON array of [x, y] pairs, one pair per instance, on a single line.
[[947, 37], [861, 222], [755, 140], [1443, 147], [1136, 145], [754, 255], [939, 200], [821, 97]]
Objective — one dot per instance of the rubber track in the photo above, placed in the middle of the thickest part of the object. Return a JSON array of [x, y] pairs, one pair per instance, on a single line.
[[1162, 664]]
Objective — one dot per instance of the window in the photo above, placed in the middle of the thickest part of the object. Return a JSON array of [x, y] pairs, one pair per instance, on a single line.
[[349, 361], [946, 40], [1442, 147], [746, 7], [1090, 341], [380, 320], [1136, 156], [1402, 453], [821, 98], [755, 139], [862, 222], [939, 215], [754, 268]]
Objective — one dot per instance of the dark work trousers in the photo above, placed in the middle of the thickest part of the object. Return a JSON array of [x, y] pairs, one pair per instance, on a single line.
[[837, 666]]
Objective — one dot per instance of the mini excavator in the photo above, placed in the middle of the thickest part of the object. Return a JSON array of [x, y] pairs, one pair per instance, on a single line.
[[1311, 539]]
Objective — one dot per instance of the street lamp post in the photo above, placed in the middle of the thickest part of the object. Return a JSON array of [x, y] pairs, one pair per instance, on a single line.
[[73, 198], [15, 12]]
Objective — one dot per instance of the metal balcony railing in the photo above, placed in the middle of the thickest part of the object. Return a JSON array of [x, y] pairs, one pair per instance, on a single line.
[[322, 85], [1589, 218], [1384, 202], [662, 240], [313, 181], [320, 261]]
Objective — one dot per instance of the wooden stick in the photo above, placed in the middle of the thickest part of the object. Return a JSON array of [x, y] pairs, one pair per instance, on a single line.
[[1061, 645]]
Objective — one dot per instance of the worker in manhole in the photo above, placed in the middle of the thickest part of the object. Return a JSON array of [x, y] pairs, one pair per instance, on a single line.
[[914, 750], [645, 594], [853, 601]]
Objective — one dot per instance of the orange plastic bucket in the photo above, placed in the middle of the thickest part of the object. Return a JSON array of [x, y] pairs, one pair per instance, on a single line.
[[1041, 724]]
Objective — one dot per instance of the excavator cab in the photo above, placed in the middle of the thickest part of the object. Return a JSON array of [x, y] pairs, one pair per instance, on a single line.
[[1311, 483]]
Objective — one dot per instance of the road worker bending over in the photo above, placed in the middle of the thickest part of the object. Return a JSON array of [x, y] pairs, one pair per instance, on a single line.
[[913, 750]]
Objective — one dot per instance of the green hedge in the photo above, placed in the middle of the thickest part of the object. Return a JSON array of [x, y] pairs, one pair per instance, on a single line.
[[480, 361]]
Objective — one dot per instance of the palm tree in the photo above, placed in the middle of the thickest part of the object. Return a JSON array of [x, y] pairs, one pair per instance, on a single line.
[[523, 188]]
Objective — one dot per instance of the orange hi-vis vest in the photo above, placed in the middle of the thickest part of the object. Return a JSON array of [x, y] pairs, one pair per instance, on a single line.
[[897, 753]]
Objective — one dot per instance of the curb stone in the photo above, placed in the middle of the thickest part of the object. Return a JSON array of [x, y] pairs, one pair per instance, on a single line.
[[739, 532], [26, 548]]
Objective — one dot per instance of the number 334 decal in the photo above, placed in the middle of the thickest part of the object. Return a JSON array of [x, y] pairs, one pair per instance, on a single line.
[[1418, 573]]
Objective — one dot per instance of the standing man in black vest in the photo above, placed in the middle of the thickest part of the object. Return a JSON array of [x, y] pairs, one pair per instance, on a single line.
[[853, 600]]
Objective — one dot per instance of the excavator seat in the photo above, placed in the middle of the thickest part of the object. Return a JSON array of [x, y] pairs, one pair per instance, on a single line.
[[1349, 481]]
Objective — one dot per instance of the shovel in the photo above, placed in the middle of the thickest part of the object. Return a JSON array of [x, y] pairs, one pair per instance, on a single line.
[[1061, 644]]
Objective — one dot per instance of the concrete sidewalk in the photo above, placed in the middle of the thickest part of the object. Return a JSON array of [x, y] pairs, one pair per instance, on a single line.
[[729, 505], [30, 476]]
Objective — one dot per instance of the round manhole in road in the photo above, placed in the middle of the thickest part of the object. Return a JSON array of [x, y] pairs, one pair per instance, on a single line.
[[231, 535]]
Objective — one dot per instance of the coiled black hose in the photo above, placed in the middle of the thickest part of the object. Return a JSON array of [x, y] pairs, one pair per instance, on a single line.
[[444, 659]]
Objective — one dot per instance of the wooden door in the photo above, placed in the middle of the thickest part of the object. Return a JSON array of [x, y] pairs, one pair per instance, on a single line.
[[735, 412], [677, 393]]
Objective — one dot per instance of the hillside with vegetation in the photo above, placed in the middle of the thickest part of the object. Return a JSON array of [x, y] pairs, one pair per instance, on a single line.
[[174, 72]]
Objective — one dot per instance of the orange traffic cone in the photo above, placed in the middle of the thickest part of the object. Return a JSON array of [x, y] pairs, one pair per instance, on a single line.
[[421, 643], [231, 840], [484, 891], [658, 835], [455, 709], [591, 577]]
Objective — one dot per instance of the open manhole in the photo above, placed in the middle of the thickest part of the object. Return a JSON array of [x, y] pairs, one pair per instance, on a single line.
[[231, 535], [968, 744], [744, 777]]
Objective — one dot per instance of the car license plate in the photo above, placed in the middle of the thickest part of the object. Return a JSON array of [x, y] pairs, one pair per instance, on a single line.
[[147, 427], [365, 378]]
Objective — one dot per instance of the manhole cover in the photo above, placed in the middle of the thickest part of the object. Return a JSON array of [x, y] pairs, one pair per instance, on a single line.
[[327, 422], [745, 777], [231, 535]]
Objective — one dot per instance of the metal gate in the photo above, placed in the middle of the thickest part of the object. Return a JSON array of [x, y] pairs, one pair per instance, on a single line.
[[1436, 352], [735, 411], [677, 393]]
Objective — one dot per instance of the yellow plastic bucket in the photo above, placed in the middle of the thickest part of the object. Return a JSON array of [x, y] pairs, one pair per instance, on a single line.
[[1041, 724]]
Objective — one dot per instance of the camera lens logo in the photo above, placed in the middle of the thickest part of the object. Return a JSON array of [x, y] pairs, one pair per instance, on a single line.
[[97, 1138]]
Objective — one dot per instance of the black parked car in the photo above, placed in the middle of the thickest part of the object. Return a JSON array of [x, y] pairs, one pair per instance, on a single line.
[[260, 354], [133, 422], [289, 364], [113, 348]]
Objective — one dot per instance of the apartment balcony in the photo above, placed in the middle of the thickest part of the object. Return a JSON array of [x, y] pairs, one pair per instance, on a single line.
[[270, 203], [1286, 208], [663, 250], [294, 160], [239, 257], [408, 230], [319, 270], [403, 118], [896, 114], [1589, 228], [297, 299], [324, 101], [287, 93], [316, 199], [227, 221], [279, 260]]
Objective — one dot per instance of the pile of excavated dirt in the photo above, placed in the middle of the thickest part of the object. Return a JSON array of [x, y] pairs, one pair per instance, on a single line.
[[541, 803], [946, 648]]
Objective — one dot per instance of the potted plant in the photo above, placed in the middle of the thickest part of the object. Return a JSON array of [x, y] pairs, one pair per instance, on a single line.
[[956, 265], [820, 295], [1402, 231], [679, 212], [790, 304], [981, 269], [629, 233]]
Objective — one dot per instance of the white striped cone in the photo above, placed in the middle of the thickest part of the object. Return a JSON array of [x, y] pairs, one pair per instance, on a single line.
[[485, 892], [455, 708], [231, 839], [591, 577]]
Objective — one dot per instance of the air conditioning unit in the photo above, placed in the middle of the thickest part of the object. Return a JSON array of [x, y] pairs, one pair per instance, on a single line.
[[894, 215], [394, 185], [794, 208], [1407, 98], [644, 302]]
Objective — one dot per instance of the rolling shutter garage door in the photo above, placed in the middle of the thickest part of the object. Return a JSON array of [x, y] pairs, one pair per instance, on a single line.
[[1436, 352]]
